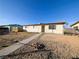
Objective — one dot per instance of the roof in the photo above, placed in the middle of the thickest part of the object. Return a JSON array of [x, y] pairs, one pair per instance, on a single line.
[[12, 25], [45, 23], [74, 23], [2, 27]]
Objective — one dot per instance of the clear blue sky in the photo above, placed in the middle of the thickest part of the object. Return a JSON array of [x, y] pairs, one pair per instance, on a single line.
[[38, 11]]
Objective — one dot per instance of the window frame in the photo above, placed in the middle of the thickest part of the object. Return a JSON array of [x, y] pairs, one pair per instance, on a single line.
[[52, 26]]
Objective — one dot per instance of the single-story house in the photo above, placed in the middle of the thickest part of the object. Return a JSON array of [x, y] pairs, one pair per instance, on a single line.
[[57, 27], [14, 27], [3, 30], [75, 25]]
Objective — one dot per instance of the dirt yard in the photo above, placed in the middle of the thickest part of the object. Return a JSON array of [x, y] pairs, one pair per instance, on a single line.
[[64, 46], [61, 47], [9, 39]]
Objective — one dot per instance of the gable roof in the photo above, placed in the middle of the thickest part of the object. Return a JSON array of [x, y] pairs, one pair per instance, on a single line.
[[45, 24], [74, 23]]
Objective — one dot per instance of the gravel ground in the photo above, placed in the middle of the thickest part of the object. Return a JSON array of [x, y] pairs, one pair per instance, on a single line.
[[57, 47]]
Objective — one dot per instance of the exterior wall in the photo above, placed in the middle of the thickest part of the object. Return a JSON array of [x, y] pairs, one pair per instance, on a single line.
[[76, 25], [59, 29], [32, 28], [14, 29], [8, 27]]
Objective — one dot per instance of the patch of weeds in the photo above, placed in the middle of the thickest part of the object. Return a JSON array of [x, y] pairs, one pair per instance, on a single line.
[[5, 46], [15, 41]]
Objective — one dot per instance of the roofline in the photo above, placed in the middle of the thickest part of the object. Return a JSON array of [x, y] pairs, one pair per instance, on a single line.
[[74, 23], [2, 27], [45, 24], [9, 24]]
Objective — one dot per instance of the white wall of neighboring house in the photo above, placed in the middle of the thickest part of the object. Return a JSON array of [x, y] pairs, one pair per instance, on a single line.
[[59, 29], [76, 25], [32, 28]]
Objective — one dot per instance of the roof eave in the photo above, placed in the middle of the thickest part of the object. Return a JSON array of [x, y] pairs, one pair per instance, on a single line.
[[74, 23], [45, 24]]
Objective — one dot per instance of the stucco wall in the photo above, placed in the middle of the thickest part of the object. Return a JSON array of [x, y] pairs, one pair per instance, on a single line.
[[59, 29], [32, 28], [76, 25]]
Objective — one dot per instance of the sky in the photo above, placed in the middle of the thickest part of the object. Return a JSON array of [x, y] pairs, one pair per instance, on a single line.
[[38, 11]]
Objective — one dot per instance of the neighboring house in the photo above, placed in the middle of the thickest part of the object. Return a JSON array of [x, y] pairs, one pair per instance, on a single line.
[[4, 30], [14, 27], [57, 28], [75, 25]]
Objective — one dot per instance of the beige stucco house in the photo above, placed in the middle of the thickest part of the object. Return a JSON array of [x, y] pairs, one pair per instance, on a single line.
[[57, 27], [75, 25]]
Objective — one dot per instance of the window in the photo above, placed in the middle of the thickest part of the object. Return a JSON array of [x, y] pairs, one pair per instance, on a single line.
[[52, 26]]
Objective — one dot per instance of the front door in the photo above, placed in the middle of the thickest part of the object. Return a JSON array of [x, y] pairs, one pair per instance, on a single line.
[[43, 28]]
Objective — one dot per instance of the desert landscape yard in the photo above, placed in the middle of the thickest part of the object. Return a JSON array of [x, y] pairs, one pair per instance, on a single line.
[[11, 38], [61, 47]]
